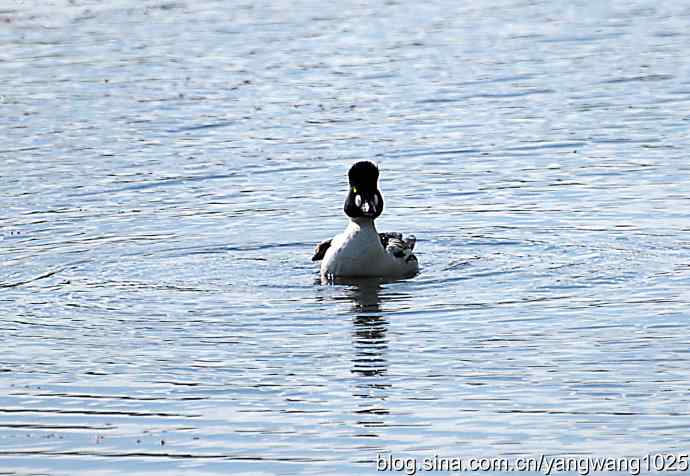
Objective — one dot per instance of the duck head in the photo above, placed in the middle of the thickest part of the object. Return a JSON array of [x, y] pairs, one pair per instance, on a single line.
[[363, 199]]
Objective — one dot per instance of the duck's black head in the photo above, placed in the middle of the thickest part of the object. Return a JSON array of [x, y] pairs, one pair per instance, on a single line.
[[363, 198]]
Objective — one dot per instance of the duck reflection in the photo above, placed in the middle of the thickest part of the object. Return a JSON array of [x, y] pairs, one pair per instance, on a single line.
[[369, 360], [369, 329], [371, 385]]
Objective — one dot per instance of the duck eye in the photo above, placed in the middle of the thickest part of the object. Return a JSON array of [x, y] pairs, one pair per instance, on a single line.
[[354, 189]]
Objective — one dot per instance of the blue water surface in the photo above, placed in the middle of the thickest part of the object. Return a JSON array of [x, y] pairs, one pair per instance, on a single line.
[[166, 168]]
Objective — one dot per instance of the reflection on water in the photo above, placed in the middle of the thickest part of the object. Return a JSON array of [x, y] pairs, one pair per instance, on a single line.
[[166, 169], [369, 340], [369, 363]]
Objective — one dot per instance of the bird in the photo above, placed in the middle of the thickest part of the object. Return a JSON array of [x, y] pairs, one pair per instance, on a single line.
[[361, 251]]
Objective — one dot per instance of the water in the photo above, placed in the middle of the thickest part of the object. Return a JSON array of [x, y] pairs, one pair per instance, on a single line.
[[167, 167]]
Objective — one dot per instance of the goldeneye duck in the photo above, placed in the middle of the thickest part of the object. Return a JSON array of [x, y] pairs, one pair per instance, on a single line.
[[361, 251]]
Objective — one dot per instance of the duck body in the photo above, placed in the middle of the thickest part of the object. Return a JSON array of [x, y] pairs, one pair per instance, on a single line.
[[360, 251]]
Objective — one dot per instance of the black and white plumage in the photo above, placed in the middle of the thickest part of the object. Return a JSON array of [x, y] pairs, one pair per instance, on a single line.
[[360, 250]]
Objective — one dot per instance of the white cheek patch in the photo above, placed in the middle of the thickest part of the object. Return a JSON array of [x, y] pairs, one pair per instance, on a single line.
[[376, 201], [358, 200]]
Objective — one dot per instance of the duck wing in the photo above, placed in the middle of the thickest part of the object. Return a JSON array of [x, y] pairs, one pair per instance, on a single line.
[[320, 250], [396, 246], [386, 237]]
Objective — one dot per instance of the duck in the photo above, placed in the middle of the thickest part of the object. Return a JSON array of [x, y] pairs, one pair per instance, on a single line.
[[361, 251]]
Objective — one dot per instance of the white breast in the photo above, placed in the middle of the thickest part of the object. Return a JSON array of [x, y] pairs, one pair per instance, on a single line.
[[357, 252]]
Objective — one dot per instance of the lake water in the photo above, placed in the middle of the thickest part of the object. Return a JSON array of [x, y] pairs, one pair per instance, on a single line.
[[167, 167]]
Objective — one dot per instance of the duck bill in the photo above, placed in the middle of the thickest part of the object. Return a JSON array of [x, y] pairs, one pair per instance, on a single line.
[[368, 207]]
